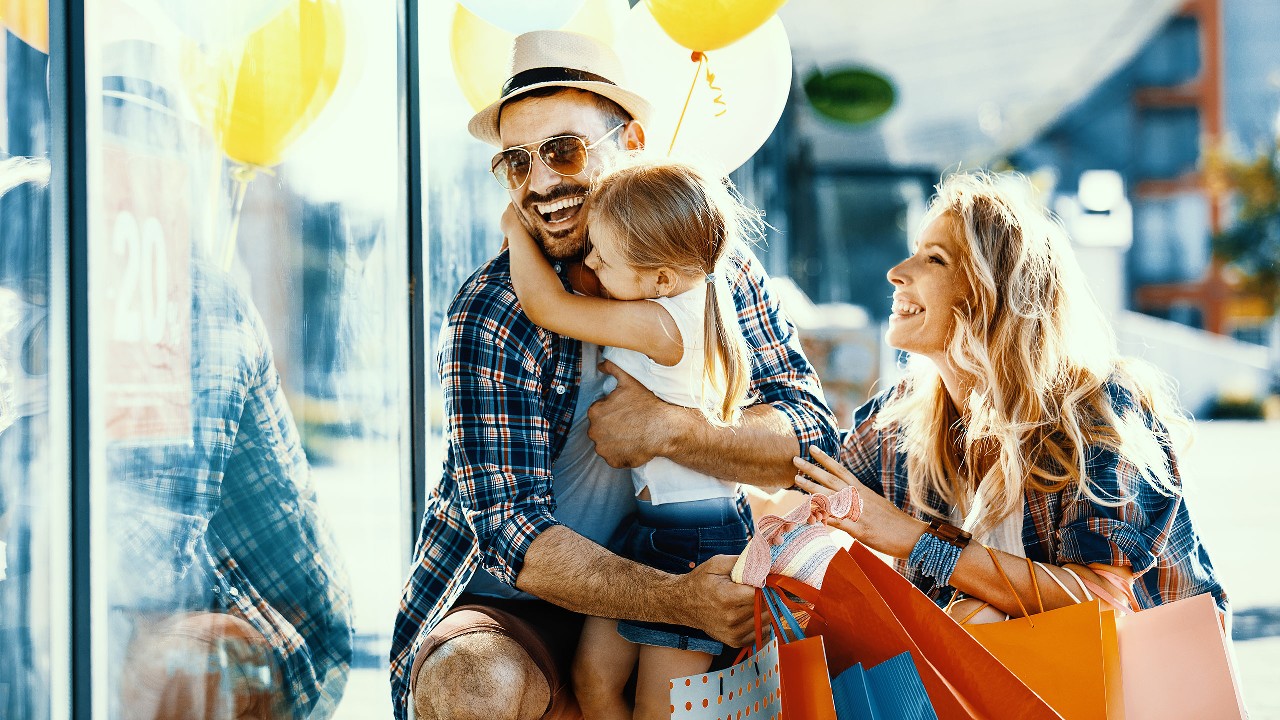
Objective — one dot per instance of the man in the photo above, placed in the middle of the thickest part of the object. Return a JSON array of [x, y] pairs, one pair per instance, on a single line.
[[237, 601], [509, 557]]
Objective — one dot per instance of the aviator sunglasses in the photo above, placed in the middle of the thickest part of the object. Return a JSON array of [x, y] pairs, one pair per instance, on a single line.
[[563, 154]]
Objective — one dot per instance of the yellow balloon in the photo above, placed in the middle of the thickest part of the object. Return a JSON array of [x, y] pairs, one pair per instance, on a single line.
[[258, 96], [28, 20], [481, 52], [711, 24]]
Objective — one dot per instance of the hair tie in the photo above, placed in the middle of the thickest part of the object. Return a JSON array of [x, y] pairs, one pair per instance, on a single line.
[[711, 277]]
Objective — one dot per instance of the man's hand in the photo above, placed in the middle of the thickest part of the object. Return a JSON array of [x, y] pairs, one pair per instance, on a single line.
[[718, 605], [629, 425]]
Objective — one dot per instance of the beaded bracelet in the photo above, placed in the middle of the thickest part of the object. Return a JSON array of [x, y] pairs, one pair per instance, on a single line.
[[934, 558]]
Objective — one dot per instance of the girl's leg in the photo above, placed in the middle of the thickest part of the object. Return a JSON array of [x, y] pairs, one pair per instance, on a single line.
[[601, 670], [658, 666]]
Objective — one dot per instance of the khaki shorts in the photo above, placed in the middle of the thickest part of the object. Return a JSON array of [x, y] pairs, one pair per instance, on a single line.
[[548, 633]]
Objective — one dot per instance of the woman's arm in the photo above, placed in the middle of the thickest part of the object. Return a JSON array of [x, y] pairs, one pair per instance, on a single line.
[[645, 327], [888, 530]]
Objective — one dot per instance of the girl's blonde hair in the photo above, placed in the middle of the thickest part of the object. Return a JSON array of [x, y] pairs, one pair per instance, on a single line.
[[669, 214], [1039, 352]]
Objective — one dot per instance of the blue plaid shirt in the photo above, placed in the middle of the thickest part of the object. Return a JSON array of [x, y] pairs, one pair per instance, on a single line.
[[229, 522], [1151, 535], [510, 389]]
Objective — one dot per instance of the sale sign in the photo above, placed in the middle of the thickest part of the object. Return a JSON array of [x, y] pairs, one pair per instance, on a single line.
[[141, 316]]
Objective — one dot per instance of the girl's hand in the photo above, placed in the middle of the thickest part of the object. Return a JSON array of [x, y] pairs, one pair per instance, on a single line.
[[882, 526], [513, 229]]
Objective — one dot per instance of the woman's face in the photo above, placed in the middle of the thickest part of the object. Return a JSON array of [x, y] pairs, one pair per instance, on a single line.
[[927, 287]]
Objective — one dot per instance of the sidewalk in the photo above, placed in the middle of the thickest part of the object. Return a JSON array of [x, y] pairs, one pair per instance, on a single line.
[[1231, 473]]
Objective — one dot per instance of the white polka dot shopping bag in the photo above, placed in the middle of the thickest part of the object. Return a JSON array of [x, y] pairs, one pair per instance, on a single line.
[[748, 689]]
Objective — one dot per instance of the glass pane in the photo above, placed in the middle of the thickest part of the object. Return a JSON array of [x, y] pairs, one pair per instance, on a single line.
[[33, 550], [249, 351]]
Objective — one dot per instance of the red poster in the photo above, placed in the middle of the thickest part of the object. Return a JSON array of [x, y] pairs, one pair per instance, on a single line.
[[142, 289]]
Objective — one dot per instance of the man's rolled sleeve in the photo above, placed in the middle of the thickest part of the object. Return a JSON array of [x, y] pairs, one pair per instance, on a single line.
[[499, 440]]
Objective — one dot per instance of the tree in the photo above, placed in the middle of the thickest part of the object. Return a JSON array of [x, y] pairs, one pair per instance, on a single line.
[[1251, 245]]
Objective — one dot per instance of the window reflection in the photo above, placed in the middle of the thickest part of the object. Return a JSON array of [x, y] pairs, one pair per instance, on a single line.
[[32, 592], [249, 355]]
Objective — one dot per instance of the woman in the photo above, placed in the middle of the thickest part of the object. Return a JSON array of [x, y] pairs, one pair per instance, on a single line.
[[1017, 421]]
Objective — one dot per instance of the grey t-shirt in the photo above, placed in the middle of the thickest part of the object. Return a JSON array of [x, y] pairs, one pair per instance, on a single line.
[[591, 497]]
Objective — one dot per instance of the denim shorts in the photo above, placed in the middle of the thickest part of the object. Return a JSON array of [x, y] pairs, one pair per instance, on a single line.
[[676, 550]]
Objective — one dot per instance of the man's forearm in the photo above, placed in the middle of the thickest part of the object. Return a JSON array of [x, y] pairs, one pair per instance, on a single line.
[[567, 569], [757, 450]]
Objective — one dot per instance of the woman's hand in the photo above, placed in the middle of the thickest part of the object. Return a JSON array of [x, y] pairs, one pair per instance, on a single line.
[[882, 526]]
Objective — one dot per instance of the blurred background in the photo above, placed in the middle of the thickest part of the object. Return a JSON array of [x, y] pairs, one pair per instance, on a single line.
[[1149, 126]]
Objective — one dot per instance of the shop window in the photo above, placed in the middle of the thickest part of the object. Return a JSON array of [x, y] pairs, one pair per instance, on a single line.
[[249, 355], [33, 491]]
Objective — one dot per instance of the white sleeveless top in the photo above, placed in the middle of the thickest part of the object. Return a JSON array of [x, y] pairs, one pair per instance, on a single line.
[[680, 384], [1006, 536]]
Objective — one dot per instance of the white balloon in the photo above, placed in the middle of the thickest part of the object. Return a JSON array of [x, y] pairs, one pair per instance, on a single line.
[[753, 76], [217, 22], [521, 16]]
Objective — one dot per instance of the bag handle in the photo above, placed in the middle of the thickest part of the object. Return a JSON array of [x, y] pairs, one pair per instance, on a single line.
[[995, 559], [1063, 585], [1035, 584], [782, 616], [1126, 591], [788, 588], [1101, 594]]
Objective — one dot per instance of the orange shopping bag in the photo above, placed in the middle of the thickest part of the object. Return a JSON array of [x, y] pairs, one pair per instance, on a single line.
[[1068, 656], [867, 613], [802, 665]]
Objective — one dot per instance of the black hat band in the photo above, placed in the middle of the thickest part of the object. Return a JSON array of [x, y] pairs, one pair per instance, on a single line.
[[537, 76]]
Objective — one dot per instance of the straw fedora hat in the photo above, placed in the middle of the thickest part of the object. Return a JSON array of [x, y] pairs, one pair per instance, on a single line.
[[558, 58]]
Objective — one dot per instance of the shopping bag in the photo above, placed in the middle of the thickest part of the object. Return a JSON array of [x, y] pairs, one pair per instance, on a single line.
[[1173, 657], [802, 663], [750, 687], [867, 613], [891, 690], [1175, 663], [1063, 654]]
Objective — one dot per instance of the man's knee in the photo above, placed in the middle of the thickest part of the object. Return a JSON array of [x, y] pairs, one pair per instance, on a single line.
[[477, 676]]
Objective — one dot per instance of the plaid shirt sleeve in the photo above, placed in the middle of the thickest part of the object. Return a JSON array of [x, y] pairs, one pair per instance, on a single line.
[[1150, 533], [864, 448], [781, 374], [492, 360]]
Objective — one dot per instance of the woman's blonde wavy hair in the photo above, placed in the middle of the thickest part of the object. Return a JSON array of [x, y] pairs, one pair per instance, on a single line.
[[1039, 351]]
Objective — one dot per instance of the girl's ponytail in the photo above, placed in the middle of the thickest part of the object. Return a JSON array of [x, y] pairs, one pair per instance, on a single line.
[[725, 352]]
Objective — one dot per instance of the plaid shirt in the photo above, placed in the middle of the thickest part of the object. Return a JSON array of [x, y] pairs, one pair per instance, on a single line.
[[228, 523], [1151, 534], [510, 389]]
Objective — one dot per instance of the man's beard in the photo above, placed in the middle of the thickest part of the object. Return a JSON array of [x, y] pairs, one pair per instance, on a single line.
[[564, 245]]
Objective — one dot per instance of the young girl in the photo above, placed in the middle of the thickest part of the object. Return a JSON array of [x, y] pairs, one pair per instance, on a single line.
[[658, 231]]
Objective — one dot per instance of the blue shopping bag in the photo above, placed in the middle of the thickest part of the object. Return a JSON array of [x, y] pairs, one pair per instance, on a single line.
[[891, 690]]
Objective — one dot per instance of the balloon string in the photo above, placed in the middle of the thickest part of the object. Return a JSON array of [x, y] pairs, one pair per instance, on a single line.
[[698, 58], [242, 175], [719, 99]]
